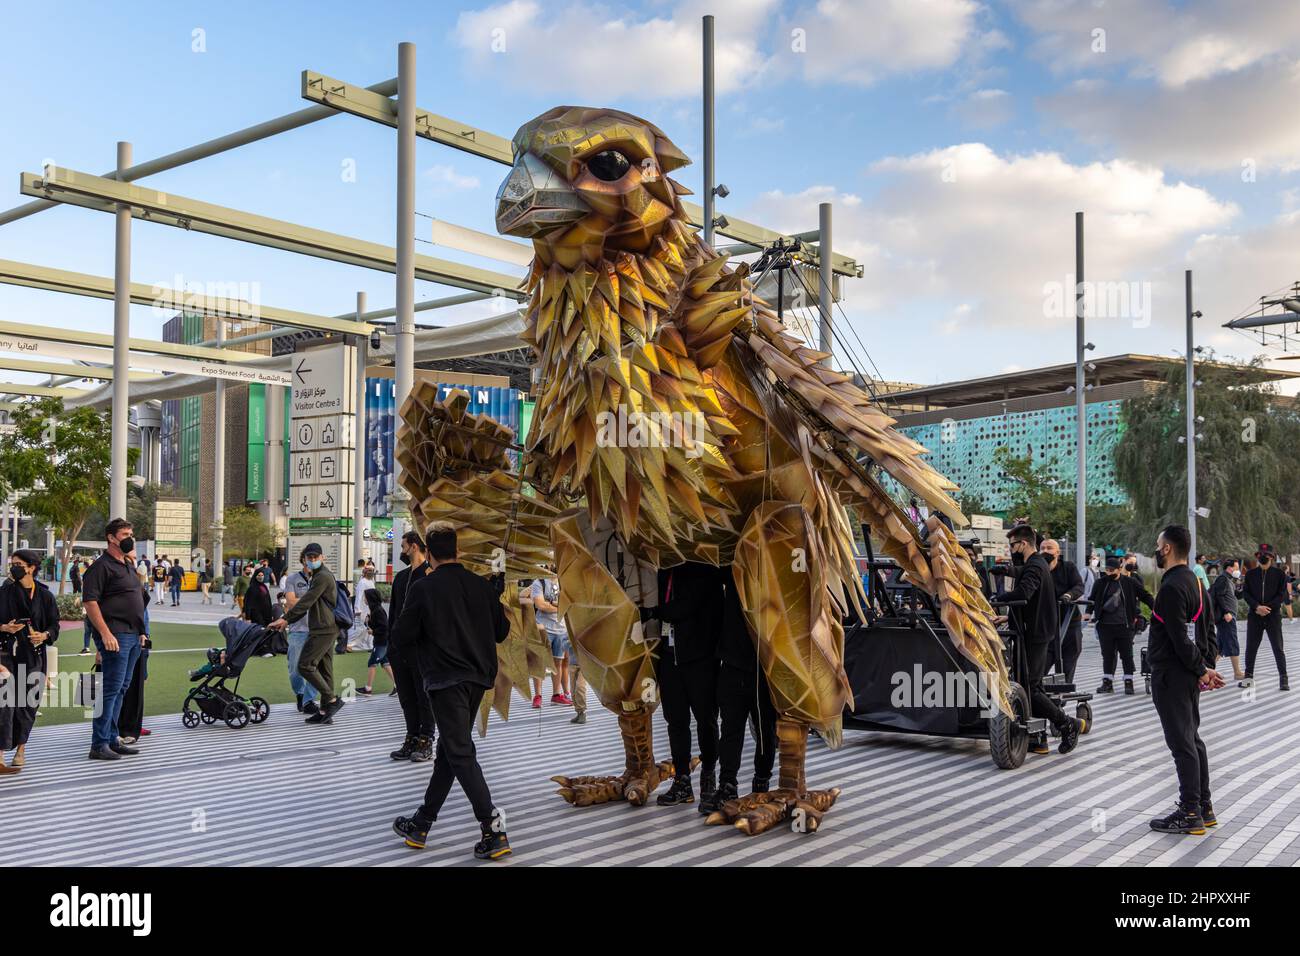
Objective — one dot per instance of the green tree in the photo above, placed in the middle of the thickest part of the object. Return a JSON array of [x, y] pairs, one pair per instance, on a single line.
[[1049, 504], [1245, 462], [248, 534], [58, 463]]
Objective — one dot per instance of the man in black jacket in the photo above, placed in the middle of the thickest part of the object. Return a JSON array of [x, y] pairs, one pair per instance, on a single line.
[[743, 696], [1265, 593], [454, 620], [1178, 649], [689, 612], [1069, 588], [1038, 621], [1224, 591], [1115, 610], [416, 709]]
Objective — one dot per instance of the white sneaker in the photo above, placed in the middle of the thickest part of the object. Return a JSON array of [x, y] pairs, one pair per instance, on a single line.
[[1246, 682]]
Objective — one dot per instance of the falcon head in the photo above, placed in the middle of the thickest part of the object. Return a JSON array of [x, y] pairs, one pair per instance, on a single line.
[[589, 180]]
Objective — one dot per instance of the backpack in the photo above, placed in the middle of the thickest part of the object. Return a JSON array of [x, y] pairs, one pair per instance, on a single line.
[[343, 615]]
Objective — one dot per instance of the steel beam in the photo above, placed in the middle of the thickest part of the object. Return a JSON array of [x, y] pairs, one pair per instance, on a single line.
[[449, 132], [40, 391], [281, 124], [101, 287], [95, 192], [96, 373], [105, 340]]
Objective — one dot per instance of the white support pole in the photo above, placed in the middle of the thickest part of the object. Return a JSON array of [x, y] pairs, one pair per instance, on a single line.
[[359, 443], [825, 294], [1080, 406], [219, 471], [404, 351], [1191, 415], [5, 548], [708, 171], [121, 350]]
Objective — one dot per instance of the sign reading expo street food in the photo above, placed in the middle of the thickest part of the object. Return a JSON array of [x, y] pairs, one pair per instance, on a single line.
[[322, 441]]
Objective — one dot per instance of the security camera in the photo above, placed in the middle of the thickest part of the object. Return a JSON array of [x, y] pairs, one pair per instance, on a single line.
[[721, 222], [721, 191], [374, 340], [1090, 346], [1091, 366]]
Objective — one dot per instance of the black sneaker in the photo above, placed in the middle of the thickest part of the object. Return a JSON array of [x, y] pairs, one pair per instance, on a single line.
[[708, 783], [299, 696], [1107, 686], [413, 830], [365, 691], [761, 785], [404, 752], [1283, 684], [1070, 734], [722, 793], [493, 846], [1181, 820], [1038, 745], [122, 750], [311, 707], [579, 718], [1128, 687], [318, 718], [1207, 815], [423, 751], [332, 708], [104, 752], [680, 792]]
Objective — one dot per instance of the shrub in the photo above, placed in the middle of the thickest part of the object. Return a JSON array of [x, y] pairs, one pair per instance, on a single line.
[[70, 608]]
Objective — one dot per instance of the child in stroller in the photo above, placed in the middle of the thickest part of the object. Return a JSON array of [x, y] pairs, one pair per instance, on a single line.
[[211, 700]]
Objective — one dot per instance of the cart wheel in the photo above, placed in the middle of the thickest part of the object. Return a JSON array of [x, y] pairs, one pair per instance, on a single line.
[[208, 718], [1084, 713], [260, 709], [1008, 739], [190, 718], [237, 715]]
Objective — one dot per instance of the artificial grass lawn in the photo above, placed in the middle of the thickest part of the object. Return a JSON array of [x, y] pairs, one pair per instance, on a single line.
[[180, 648]]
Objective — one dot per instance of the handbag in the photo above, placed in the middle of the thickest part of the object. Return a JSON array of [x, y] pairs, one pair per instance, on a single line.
[[89, 689]]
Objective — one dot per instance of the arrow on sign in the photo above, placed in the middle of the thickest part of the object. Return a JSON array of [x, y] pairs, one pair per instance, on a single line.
[[299, 370]]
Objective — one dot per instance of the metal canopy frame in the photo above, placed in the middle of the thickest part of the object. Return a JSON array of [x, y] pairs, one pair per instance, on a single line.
[[378, 108]]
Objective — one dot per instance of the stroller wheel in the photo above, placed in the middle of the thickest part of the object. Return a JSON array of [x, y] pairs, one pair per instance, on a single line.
[[190, 718], [260, 709], [237, 715], [208, 718]]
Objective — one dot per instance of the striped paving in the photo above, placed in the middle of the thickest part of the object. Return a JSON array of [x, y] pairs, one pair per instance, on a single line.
[[287, 794]]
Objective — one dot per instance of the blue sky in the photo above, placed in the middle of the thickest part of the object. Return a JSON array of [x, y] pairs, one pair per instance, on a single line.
[[955, 137]]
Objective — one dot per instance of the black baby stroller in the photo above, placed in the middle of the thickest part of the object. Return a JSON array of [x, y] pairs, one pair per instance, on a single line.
[[211, 700]]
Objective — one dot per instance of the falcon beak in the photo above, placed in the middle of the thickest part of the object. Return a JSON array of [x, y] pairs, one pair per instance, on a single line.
[[534, 200]]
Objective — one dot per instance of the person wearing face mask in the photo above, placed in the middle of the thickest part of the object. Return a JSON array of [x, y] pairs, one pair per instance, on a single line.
[[1115, 609], [30, 624], [316, 661], [1224, 591], [417, 710], [1181, 653], [1038, 620], [296, 585], [1068, 585], [115, 605], [1264, 589], [257, 599]]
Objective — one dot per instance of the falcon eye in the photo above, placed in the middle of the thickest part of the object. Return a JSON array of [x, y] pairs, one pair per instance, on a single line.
[[609, 165]]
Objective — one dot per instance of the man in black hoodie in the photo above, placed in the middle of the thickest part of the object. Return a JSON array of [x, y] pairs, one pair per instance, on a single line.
[[1068, 585], [455, 620], [1038, 621], [689, 613], [1179, 648], [1224, 591], [1265, 593], [1115, 609], [417, 712]]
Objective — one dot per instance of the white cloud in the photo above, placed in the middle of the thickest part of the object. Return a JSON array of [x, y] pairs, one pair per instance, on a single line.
[[957, 270], [597, 52], [446, 176]]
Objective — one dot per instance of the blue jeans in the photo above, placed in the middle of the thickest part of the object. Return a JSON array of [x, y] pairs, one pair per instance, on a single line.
[[118, 666], [176, 594], [296, 681]]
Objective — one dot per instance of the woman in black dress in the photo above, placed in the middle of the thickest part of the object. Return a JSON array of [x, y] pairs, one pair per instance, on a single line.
[[29, 623], [257, 602]]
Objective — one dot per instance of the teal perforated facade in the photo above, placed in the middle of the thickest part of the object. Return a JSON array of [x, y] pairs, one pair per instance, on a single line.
[[962, 449]]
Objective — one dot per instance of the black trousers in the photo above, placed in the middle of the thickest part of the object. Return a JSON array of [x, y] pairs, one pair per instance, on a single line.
[[1043, 706], [1071, 648], [685, 690], [1115, 642], [1256, 628], [416, 709], [1177, 697], [131, 720], [454, 709], [743, 696]]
